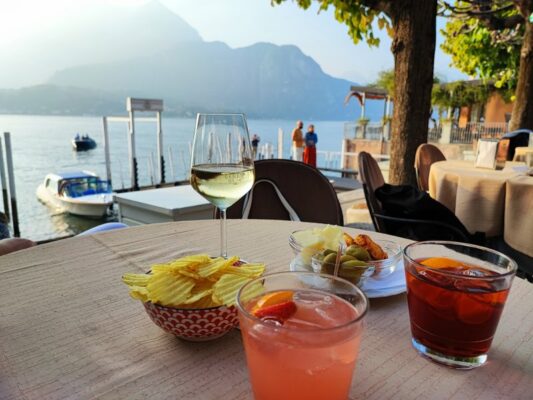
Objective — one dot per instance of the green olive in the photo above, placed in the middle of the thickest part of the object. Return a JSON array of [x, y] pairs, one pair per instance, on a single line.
[[347, 257], [329, 251], [354, 264], [351, 274], [327, 268], [330, 258], [358, 252]]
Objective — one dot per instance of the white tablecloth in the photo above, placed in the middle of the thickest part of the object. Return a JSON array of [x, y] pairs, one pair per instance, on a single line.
[[485, 200]]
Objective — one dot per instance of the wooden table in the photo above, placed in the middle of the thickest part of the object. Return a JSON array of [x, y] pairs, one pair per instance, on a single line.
[[70, 331]]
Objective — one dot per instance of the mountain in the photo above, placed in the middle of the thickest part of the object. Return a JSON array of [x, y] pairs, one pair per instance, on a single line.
[[106, 34], [94, 62], [58, 100], [263, 80]]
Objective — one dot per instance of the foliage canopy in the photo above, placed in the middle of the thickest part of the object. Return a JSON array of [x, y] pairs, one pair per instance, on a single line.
[[482, 48], [356, 14]]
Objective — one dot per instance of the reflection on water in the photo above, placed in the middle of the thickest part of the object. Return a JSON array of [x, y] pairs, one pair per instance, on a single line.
[[65, 224]]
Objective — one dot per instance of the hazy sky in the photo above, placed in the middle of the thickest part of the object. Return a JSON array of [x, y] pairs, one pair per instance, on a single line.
[[238, 23]]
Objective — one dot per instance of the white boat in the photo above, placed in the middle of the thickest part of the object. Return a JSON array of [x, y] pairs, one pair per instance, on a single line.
[[79, 193]]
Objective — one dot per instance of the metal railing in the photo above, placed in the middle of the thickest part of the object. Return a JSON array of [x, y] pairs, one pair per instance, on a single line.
[[478, 130], [434, 133], [333, 159], [372, 131]]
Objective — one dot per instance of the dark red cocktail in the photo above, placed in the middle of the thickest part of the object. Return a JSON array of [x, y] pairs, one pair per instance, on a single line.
[[455, 299]]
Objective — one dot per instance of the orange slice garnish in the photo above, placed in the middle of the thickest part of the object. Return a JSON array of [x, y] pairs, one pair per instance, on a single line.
[[273, 298], [441, 262]]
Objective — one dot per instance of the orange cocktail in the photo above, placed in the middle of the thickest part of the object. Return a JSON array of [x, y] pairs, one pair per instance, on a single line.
[[302, 335], [456, 294]]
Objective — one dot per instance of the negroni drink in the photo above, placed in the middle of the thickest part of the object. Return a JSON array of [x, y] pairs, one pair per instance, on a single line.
[[456, 297]]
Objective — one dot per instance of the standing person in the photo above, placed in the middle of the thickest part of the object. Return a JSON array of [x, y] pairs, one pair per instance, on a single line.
[[298, 142], [255, 143], [311, 139]]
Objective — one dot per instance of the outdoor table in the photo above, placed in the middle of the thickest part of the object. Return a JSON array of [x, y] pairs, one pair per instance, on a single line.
[[69, 329], [520, 153], [518, 230], [478, 197]]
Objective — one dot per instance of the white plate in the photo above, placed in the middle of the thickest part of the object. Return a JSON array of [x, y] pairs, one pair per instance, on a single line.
[[391, 285]]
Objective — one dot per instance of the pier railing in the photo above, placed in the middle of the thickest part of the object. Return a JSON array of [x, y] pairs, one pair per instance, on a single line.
[[478, 130], [370, 131]]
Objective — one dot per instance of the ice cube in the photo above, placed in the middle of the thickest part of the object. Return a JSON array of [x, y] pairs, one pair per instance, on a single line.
[[272, 321], [312, 299], [436, 278]]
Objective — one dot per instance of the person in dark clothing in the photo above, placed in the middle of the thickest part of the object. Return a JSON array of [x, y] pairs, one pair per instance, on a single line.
[[311, 139], [255, 143]]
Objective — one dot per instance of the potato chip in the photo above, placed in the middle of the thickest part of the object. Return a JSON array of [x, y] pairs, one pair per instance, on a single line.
[[217, 265], [136, 279], [196, 281], [169, 289], [225, 290], [187, 263], [249, 270], [190, 274], [252, 291], [139, 293], [198, 296]]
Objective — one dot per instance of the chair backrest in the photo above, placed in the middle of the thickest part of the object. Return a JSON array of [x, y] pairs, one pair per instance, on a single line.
[[305, 189], [426, 154], [519, 138], [371, 177]]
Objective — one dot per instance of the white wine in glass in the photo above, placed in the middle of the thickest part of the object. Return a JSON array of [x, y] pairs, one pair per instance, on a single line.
[[222, 168]]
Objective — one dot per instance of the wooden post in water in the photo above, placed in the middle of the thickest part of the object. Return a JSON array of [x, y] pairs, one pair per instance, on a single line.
[[280, 143], [106, 152], [160, 156], [5, 196], [171, 164], [11, 178], [131, 146]]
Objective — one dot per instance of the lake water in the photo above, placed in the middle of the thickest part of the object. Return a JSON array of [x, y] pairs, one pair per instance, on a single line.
[[41, 145]]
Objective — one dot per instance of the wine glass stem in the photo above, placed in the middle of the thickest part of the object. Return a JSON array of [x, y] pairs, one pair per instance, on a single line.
[[223, 235]]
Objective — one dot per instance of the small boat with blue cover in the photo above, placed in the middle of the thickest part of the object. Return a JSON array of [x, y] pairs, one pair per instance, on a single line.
[[80, 193]]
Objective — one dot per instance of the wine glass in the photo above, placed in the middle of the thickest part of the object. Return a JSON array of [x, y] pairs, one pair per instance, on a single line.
[[222, 167]]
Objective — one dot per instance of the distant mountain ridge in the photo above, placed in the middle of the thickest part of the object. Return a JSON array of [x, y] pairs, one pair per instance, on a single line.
[[262, 80]]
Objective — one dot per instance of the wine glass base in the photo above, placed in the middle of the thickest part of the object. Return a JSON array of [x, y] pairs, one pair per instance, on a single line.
[[447, 360]]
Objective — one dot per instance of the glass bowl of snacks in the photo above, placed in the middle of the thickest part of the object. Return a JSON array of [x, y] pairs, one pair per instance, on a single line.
[[383, 255], [193, 297], [349, 267], [305, 243], [363, 258], [388, 265]]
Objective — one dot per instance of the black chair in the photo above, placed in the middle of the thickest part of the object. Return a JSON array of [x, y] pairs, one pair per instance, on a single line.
[[304, 188], [518, 138], [411, 228]]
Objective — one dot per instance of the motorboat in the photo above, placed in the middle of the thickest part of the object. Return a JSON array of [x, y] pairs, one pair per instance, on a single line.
[[80, 193], [83, 143]]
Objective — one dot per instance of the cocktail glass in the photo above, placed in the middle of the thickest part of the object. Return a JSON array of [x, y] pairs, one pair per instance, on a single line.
[[456, 293], [312, 354]]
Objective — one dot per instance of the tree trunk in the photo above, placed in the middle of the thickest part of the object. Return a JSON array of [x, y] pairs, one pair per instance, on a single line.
[[522, 117], [414, 23]]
